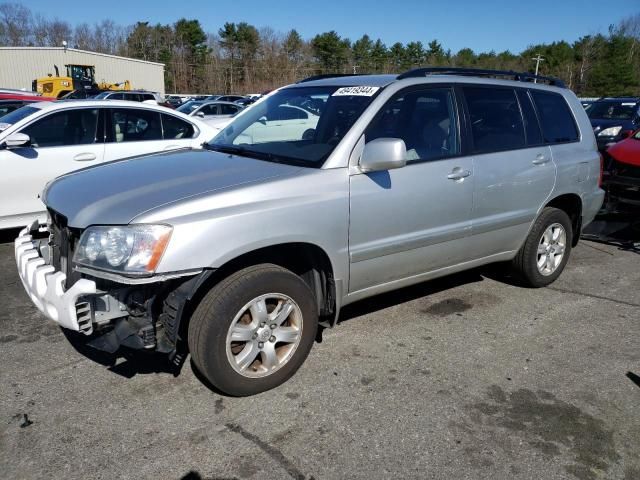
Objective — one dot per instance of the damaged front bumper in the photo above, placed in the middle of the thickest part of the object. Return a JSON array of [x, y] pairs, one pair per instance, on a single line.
[[108, 313], [46, 288]]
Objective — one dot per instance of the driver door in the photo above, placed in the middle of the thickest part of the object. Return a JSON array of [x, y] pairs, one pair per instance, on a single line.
[[412, 220], [61, 142]]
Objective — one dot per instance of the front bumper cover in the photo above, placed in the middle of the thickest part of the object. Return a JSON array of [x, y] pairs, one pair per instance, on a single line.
[[45, 287]]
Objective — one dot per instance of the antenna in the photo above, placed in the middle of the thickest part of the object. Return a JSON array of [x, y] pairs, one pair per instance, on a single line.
[[538, 59]]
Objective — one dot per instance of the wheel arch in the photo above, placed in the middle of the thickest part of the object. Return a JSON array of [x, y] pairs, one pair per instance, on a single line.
[[571, 204], [306, 260]]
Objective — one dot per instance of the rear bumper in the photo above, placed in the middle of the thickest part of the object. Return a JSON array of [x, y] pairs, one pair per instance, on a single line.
[[45, 287], [591, 205]]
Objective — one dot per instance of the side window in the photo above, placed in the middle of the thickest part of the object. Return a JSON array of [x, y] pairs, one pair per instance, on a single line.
[[496, 122], [558, 124], [175, 128], [116, 96], [284, 112], [231, 109], [132, 97], [146, 96], [133, 125], [209, 109], [531, 125], [425, 119], [71, 127]]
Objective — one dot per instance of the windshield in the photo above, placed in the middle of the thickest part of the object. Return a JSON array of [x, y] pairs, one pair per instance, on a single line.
[[612, 110], [298, 126], [189, 106], [14, 117]]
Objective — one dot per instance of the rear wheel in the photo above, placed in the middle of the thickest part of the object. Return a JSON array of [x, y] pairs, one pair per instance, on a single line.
[[545, 252], [253, 330]]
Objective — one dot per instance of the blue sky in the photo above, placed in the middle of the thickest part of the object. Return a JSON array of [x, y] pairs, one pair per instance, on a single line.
[[481, 25]]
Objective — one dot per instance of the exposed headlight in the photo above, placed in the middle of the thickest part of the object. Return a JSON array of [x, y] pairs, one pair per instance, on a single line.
[[133, 249], [610, 132]]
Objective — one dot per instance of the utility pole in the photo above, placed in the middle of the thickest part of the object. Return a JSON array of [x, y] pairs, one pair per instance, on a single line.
[[538, 59]]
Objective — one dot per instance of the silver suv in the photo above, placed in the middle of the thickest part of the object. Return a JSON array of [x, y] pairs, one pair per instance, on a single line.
[[321, 194]]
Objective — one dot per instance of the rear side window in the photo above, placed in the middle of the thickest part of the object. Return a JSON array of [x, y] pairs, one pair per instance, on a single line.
[[133, 125], [287, 113], [531, 125], [496, 121], [175, 128], [231, 109], [558, 124]]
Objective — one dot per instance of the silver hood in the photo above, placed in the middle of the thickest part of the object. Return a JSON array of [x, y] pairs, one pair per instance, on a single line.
[[115, 193]]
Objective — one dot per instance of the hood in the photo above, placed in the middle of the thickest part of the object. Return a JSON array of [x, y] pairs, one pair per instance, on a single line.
[[626, 151], [602, 123], [117, 192]]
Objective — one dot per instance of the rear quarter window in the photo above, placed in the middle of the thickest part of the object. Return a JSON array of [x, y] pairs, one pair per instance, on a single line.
[[558, 124]]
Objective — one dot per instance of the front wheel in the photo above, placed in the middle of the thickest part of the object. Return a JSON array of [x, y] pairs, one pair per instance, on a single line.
[[253, 330], [545, 252]]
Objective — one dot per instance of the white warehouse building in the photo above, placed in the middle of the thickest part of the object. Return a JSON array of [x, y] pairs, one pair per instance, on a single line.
[[19, 66]]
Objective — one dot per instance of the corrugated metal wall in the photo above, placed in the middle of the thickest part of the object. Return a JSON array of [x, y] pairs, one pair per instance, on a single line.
[[19, 66]]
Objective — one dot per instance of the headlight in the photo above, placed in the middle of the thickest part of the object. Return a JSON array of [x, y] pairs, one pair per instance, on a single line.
[[610, 132], [133, 249]]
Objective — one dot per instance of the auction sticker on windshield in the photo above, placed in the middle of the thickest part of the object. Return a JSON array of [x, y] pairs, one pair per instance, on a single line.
[[361, 91]]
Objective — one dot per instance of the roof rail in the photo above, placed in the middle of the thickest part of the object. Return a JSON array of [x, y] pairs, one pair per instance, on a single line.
[[327, 75], [473, 72]]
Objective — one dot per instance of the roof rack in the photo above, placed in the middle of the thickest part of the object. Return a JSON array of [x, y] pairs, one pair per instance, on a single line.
[[327, 75], [473, 72]]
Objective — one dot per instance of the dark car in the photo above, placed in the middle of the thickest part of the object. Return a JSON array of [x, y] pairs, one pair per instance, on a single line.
[[621, 178], [614, 119]]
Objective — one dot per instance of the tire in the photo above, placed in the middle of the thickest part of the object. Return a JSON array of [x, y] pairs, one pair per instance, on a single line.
[[248, 304], [526, 262]]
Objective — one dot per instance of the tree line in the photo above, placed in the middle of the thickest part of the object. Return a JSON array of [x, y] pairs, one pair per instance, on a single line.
[[241, 58]]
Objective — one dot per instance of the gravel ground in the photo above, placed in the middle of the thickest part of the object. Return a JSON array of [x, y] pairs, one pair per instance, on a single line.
[[466, 377]]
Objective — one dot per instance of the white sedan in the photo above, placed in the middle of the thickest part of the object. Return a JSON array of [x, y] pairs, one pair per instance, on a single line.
[[41, 141]]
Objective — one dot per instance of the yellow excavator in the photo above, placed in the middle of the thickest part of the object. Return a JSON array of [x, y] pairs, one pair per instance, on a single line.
[[79, 78]]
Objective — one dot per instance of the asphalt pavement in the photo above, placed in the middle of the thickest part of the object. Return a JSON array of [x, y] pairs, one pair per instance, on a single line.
[[467, 377]]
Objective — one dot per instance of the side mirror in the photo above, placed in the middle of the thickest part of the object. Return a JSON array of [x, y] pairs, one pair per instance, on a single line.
[[200, 114], [263, 120], [16, 140], [383, 154]]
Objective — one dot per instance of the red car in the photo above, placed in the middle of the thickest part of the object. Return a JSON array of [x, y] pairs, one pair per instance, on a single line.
[[622, 174]]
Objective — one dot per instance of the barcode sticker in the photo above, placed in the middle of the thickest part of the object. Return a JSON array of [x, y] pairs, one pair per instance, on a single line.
[[361, 91]]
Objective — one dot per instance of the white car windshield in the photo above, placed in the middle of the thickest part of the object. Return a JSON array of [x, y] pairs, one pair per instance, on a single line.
[[14, 117], [298, 125]]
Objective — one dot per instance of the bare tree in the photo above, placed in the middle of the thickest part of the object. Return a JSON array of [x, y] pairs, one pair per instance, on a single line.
[[16, 25]]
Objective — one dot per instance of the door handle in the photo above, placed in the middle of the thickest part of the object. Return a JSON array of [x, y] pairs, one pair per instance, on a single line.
[[540, 159], [458, 174], [85, 157]]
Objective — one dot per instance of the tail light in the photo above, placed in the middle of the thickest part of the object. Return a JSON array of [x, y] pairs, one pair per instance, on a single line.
[[601, 170]]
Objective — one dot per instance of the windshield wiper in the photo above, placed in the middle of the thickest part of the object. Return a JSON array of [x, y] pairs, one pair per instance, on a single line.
[[233, 150]]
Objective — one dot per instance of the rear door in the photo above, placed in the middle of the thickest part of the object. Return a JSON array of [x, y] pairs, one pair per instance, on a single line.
[[514, 169], [137, 131], [61, 141]]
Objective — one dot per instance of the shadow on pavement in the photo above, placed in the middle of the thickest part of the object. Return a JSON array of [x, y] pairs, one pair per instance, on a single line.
[[621, 230], [9, 235], [125, 362], [407, 294]]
